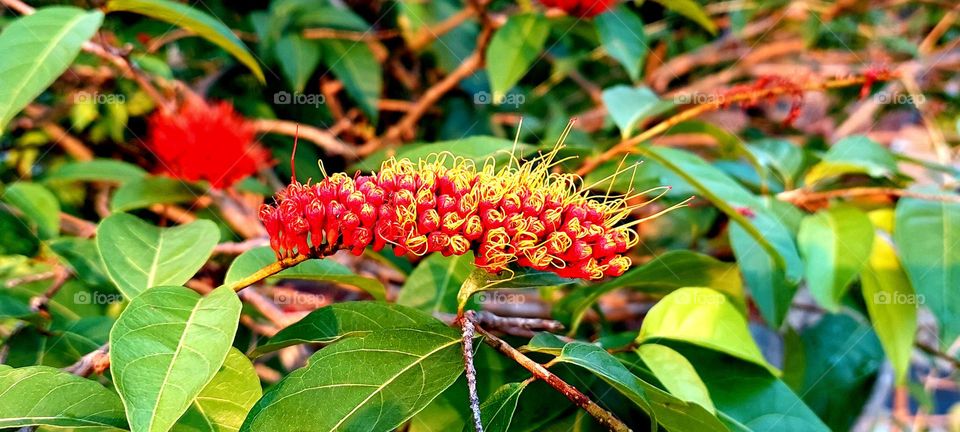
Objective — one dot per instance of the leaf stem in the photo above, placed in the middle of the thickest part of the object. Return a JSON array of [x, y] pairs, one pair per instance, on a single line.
[[606, 418], [268, 271]]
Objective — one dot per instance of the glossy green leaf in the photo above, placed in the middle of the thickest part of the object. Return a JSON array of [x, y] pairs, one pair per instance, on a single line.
[[476, 148], [763, 245], [109, 170], [36, 50], [433, 284], [928, 234], [729, 197], [315, 269], [853, 155], [676, 374], [514, 49], [339, 320], [630, 105], [748, 398], [621, 32], [667, 410], [224, 403], [692, 10], [167, 345], [780, 157], [835, 244], [146, 191], [196, 21], [138, 255], [354, 64], [891, 303], [41, 395], [298, 59], [82, 256], [496, 413], [702, 317], [38, 204], [830, 378], [14, 307], [665, 273], [375, 382]]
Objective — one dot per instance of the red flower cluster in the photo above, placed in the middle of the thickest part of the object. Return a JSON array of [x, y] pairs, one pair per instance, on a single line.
[[521, 214], [581, 8], [203, 141]]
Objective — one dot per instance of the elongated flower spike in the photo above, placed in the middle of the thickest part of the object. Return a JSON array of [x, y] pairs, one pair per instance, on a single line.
[[522, 214]]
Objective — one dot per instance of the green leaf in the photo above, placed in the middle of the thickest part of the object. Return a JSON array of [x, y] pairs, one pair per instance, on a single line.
[[477, 148], [13, 307], [167, 345], [835, 245], [298, 59], [513, 50], [201, 24], [83, 258], [691, 10], [671, 412], [831, 378], [339, 320], [496, 413], [375, 382], [224, 403], [727, 195], [621, 32], [41, 395], [433, 284], [853, 155], [36, 50], [38, 204], [109, 170], [927, 233], [748, 399], [631, 105], [764, 247], [315, 269], [146, 191], [702, 317], [891, 303], [138, 255], [676, 374], [780, 156], [665, 273], [354, 64]]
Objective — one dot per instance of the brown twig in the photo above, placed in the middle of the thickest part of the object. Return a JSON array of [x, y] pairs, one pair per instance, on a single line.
[[325, 140], [802, 196], [717, 102], [469, 330], [427, 34], [268, 271], [579, 399], [95, 361]]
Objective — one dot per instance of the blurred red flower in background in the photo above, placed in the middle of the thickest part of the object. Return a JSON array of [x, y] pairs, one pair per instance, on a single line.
[[581, 8], [206, 141]]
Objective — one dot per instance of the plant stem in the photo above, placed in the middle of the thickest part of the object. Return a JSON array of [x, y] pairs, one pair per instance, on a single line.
[[466, 323], [627, 145], [268, 271], [579, 399], [800, 196]]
